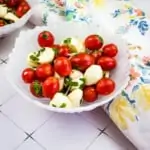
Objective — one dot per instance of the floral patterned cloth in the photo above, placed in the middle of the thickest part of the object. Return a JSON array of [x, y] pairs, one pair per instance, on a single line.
[[130, 110]]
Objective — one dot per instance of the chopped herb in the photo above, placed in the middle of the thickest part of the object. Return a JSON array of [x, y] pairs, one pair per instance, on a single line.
[[81, 101], [63, 105], [53, 105], [34, 58], [70, 83], [37, 88], [83, 84], [67, 41]]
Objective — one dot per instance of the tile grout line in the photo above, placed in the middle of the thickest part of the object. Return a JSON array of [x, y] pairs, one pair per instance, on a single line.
[[100, 133]]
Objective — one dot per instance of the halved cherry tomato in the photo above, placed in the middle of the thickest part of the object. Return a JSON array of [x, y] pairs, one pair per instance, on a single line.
[[2, 23], [22, 9], [107, 63], [46, 39], [28, 75], [64, 50], [105, 86], [36, 89], [44, 71], [50, 87], [90, 94], [62, 66], [94, 42], [82, 61], [110, 50]]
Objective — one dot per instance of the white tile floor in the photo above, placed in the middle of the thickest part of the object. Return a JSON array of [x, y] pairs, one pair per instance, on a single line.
[[24, 126]]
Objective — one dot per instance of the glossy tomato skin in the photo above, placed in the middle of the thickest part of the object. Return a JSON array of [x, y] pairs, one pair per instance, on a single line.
[[44, 71], [93, 42], [107, 63], [46, 39], [62, 66], [36, 89], [50, 87], [110, 50], [12, 3], [82, 61], [28, 75], [105, 86], [22, 9], [64, 50], [90, 94]]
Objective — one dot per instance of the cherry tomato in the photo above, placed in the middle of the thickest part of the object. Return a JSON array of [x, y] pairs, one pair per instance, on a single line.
[[105, 86], [82, 61], [44, 71], [93, 42], [2, 23], [36, 89], [50, 87], [12, 3], [62, 66], [96, 55], [2, 1], [107, 63], [110, 50], [90, 94], [22, 9], [64, 50], [28, 75], [46, 39]]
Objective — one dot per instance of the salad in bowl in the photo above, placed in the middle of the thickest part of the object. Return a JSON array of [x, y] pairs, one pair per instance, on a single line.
[[13, 15], [68, 67]]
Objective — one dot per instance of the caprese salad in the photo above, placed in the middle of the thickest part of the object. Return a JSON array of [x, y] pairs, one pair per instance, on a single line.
[[12, 10], [71, 72]]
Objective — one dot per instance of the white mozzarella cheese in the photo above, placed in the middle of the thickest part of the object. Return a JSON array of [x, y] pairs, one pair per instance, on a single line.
[[3, 11], [93, 74], [61, 101], [75, 97]]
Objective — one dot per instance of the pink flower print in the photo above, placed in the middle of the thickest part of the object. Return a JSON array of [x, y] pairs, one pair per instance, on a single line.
[[79, 5], [146, 60], [59, 2], [134, 74], [138, 12]]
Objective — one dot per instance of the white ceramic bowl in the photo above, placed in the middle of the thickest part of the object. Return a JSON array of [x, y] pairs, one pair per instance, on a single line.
[[27, 42], [6, 30]]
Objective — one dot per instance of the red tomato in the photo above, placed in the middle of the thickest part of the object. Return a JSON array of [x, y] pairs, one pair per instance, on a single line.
[[96, 55], [62, 66], [22, 9], [12, 3], [44, 71], [107, 63], [93, 42], [28, 75], [36, 89], [64, 50], [110, 50], [46, 39], [50, 87], [2, 23], [2, 1], [82, 61], [90, 94], [105, 86]]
